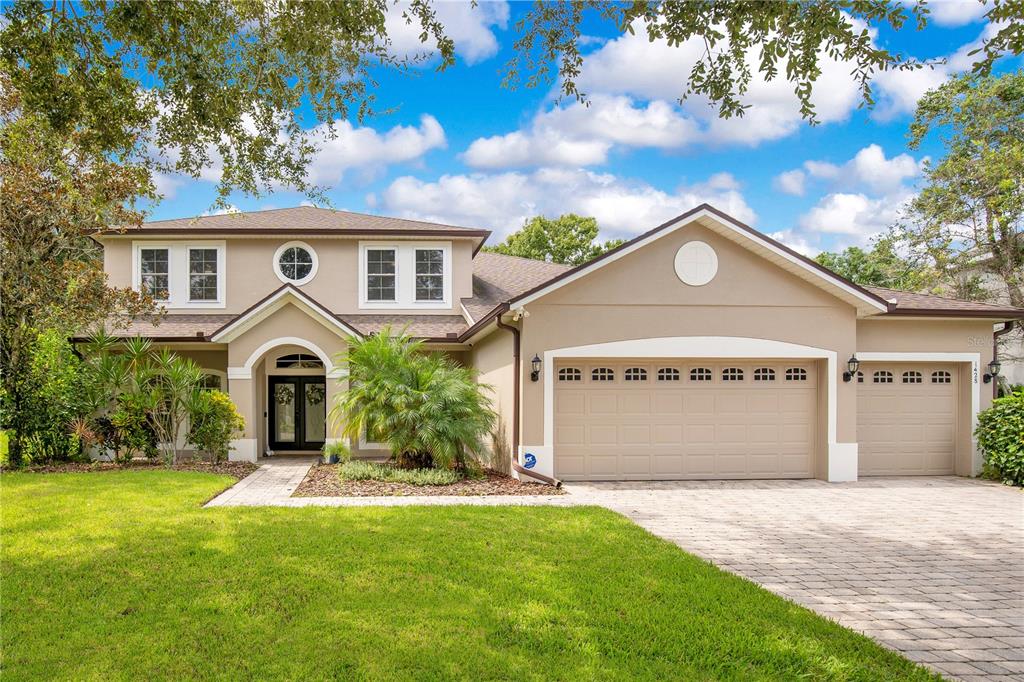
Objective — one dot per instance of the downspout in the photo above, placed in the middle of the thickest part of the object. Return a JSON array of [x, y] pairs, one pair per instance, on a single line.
[[522, 471], [1007, 327]]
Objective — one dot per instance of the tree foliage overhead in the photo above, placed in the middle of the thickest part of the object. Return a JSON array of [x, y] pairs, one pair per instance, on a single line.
[[569, 239], [969, 216], [741, 38], [180, 85]]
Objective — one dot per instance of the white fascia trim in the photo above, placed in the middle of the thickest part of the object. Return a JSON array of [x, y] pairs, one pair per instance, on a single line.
[[973, 358], [756, 238], [287, 341], [693, 347], [465, 314], [250, 319]]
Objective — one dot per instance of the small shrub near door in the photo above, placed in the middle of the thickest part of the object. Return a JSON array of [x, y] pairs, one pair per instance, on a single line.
[[372, 471], [214, 423], [1000, 435]]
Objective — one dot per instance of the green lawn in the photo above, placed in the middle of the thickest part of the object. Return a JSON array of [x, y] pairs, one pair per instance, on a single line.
[[124, 576]]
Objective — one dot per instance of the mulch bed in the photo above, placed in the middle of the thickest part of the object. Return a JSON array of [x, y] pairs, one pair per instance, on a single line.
[[237, 469], [323, 481]]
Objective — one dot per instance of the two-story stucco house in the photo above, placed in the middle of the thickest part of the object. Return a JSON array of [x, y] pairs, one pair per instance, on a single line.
[[701, 349]]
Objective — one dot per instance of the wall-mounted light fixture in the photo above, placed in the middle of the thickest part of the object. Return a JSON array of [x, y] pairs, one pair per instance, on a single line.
[[993, 371], [852, 365], [535, 366]]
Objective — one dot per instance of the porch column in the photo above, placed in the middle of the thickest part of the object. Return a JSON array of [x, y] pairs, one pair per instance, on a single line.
[[241, 389]]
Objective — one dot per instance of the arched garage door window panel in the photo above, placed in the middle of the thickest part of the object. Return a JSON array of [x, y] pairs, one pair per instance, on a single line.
[[602, 374], [882, 377], [700, 374], [668, 374], [635, 374], [942, 377], [912, 377], [764, 374], [570, 374]]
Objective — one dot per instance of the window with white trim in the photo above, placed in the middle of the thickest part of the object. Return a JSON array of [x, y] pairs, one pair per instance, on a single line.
[[202, 274], [295, 263], [181, 274], [668, 374], [570, 374], [381, 275], [429, 275], [155, 270]]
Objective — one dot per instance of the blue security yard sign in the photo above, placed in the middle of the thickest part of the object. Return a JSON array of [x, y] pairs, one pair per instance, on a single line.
[[529, 460]]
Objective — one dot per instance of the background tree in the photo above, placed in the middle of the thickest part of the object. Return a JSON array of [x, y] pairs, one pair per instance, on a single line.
[[879, 266], [967, 219], [569, 239]]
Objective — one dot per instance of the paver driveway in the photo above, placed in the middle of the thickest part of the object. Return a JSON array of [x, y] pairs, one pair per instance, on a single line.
[[932, 567]]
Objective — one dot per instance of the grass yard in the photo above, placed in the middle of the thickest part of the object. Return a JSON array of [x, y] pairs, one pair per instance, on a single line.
[[124, 576]]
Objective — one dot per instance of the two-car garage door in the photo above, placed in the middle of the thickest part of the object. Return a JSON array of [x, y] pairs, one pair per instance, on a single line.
[[674, 419]]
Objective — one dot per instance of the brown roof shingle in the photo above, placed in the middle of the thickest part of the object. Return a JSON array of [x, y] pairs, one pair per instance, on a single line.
[[498, 278], [419, 326], [911, 303], [185, 326]]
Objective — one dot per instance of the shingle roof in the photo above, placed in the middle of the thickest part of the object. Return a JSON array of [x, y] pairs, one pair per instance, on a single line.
[[927, 304], [302, 219], [419, 326], [174, 326], [497, 278]]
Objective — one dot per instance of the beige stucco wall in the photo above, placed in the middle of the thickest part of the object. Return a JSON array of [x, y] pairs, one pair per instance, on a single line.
[[492, 358], [250, 273], [639, 296]]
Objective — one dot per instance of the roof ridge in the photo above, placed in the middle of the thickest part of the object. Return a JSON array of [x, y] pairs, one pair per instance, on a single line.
[[315, 208]]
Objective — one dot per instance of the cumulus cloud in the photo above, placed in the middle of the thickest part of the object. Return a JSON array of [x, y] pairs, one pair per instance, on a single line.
[[956, 12], [502, 201], [579, 135], [471, 28], [796, 241], [856, 217], [868, 169]]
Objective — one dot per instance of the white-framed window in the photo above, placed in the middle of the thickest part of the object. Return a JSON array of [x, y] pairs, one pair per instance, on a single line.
[[405, 275], [295, 263], [181, 274]]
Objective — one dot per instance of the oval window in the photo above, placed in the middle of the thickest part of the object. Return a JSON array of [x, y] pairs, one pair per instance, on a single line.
[[295, 263]]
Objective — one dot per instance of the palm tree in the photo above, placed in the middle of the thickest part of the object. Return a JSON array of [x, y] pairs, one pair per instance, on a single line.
[[428, 409]]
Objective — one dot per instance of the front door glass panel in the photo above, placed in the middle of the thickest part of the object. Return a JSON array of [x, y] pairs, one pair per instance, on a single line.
[[284, 412]]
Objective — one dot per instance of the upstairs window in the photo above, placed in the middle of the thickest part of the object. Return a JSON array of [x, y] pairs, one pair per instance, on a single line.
[[882, 377], [570, 374], [380, 274], [732, 374], [912, 378], [636, 374], [668, 374], [602, 374], [295, 263], [796, 374], [202, 274], [942, 377], [429, 275], [764, 374], [700, 374], [156, 273]]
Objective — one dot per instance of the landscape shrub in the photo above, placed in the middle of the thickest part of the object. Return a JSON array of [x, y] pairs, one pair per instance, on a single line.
[[214, 423], [430, 411], [1000, 435], [357, 470], [337, 449]]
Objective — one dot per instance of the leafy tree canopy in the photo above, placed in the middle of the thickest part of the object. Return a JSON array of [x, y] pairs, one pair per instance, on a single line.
[[879, 266], [568, 239], [743, 37]]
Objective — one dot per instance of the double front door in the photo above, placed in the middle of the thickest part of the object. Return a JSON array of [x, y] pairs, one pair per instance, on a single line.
[[298, 412]]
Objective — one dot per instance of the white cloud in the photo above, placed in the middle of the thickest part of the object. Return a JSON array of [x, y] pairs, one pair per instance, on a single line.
[[167, 185], [579, 135], [855, 217], [501, 201], [795, 241], [956, 12], [228, 210], [868, 169], [471, 28], [370, 151], [790, 182]]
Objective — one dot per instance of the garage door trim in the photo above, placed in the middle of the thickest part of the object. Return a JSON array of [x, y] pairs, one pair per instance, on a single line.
[[842, 457], [973, 358]]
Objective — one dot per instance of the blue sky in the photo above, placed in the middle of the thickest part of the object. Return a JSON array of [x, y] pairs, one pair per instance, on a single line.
[[458, 148]]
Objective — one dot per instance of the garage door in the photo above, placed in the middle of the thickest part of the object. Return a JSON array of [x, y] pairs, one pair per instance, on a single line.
[[906, 419], [672, 419]]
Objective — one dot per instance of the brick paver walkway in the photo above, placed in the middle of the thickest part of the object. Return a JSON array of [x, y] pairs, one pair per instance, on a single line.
[[932, 567]]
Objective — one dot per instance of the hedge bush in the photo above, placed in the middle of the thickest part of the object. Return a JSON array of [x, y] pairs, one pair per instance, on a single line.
[[1000, 435], [357, 470]]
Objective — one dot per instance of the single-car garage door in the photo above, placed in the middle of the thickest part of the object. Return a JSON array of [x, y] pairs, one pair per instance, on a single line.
[[675, 419], [906, 419]]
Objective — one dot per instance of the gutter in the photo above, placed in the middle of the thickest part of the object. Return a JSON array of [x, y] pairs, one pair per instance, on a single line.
[[522, 471], [1007, 327]]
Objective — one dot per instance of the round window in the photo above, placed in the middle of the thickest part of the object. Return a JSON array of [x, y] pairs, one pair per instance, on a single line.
[[295, 263], [696, 263]]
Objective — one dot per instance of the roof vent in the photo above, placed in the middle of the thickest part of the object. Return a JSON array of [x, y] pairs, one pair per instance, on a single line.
[[452, 335]]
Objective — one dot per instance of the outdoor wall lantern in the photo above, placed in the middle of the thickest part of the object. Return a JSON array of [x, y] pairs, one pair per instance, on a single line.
[[852, 365], [993, 371], [535, 366]]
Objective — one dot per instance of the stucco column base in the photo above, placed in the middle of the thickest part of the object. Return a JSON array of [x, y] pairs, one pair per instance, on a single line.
[[243, 450], [842, 462]]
